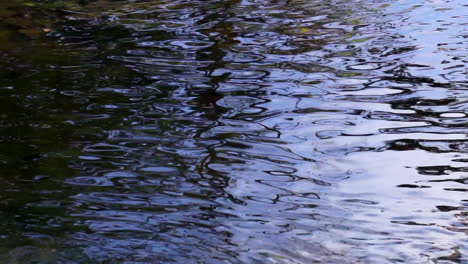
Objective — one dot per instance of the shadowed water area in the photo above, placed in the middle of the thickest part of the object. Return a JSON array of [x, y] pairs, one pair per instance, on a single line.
[[300, 131]]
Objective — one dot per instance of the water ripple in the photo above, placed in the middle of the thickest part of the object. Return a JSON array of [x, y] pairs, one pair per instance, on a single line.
[[233, 131]]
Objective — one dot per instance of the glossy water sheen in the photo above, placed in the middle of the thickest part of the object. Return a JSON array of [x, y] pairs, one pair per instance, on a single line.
[[298, 131]]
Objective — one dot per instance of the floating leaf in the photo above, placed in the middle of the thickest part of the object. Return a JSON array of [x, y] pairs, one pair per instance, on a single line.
[[359, 40], [348, 74]]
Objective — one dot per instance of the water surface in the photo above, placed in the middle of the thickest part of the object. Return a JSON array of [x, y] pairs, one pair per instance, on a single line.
[[233, 131]]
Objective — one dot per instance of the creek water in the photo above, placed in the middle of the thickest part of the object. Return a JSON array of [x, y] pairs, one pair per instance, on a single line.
[[236, 131]]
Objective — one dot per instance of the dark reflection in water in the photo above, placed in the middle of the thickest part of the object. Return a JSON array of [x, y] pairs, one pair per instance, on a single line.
[[233, 131]]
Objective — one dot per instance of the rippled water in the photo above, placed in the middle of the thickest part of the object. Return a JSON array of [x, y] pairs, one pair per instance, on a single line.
[[266, 131]]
